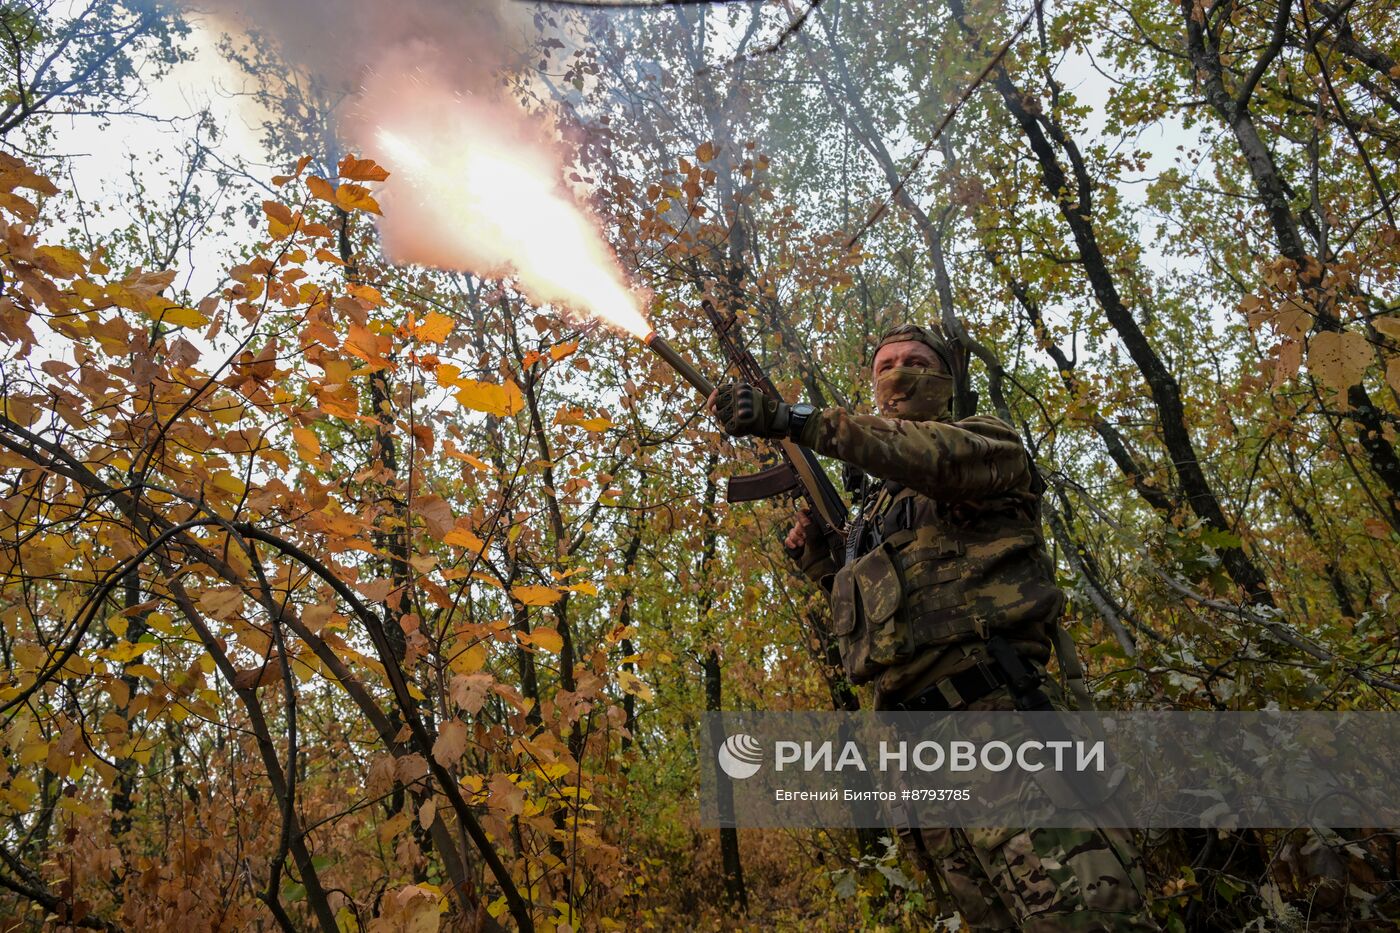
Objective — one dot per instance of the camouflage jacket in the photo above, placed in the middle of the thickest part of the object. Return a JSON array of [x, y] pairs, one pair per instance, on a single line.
[[951, 549]]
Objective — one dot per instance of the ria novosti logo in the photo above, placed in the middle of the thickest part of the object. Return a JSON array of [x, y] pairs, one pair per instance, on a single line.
[[740, 756]]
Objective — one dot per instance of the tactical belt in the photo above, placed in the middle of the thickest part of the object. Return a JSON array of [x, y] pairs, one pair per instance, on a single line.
[[964, 688], [960, 689]]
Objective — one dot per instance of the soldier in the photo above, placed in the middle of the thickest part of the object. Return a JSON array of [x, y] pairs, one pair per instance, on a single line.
[[946, 600]]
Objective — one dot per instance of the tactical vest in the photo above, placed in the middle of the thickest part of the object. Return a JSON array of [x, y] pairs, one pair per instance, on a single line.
[[920, 574]]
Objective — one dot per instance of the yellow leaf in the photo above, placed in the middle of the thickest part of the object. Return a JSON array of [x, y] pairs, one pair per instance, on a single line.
[[536, 595], [182, 317], [561, 350], [127, 650], [572, 415], [500, 400], [587, 589], [434, 328], [162, 623], [308, 444], [60, 261], [356, 198], [229, 483], [392, 827], [469, 660], [634, 685]]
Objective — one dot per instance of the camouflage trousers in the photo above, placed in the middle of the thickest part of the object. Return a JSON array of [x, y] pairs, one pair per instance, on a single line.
[[1040, 880]]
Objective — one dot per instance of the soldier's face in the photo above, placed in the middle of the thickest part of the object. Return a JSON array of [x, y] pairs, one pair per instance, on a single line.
[[911, 381], [911, 353]]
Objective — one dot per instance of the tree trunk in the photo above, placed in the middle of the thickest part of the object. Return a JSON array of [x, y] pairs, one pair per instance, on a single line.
[[714, 695], [1075, 202], [1273, 192]]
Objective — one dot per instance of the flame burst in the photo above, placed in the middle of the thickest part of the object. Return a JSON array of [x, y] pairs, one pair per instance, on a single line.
[[476, 186]]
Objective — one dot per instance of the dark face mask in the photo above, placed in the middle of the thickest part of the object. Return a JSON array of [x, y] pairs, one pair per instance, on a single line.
[[916, 393]]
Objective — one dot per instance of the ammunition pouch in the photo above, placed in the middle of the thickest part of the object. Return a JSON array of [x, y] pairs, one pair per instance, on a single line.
[[918, 586], [866, 598]]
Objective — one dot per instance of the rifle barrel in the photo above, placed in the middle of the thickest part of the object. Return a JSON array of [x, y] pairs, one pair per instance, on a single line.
[[689, 373]]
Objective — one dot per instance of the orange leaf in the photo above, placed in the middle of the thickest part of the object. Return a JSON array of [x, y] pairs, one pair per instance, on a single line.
[[463, 537], [368, 346], [367, 294], [434, 328], [362, 169], [536, 595], [546, 638], [302, 163], [356, 198], [504, 797], [278, 212], [436, 513], [320, 188]]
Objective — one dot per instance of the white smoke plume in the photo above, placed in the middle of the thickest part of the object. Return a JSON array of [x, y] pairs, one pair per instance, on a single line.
[[477, 180]]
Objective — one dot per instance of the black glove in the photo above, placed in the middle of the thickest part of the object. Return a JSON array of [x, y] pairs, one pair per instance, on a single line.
[[744, 411]]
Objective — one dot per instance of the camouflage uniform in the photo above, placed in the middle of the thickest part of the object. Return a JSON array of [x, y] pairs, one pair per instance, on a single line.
[[951, 553], [1041, 880]]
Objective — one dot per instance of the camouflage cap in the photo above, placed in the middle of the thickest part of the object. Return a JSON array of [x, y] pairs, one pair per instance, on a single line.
[[930, 337]]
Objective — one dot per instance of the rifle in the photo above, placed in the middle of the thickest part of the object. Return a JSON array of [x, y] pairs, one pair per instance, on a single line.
[[799, 474]]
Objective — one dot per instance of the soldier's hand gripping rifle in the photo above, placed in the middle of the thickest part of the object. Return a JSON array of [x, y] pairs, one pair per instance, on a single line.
[[799, 474]]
